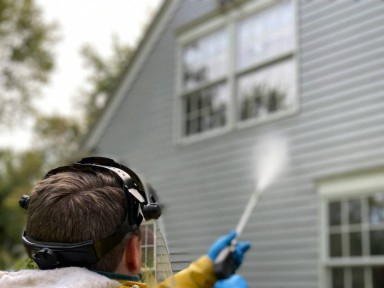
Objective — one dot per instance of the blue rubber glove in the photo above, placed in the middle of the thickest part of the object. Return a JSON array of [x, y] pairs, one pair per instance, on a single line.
[[235, 281], [225, 241]]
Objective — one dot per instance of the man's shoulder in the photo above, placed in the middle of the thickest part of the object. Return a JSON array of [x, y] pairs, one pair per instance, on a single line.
[[61, 277]]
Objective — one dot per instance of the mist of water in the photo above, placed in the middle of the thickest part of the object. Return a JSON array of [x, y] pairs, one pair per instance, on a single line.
[[271, 158]]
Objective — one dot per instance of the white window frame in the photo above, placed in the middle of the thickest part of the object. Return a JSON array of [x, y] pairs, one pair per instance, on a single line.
[[228, 21], [362, 184]]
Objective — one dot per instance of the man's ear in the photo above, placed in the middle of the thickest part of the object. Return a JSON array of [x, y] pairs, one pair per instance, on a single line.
[[133, 255], [131, 259]]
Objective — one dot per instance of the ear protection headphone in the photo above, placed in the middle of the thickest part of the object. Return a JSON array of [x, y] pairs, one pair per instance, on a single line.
[[141, 204]]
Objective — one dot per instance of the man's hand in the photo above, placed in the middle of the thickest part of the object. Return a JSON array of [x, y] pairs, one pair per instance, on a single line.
[[224, 242], [235, 281]]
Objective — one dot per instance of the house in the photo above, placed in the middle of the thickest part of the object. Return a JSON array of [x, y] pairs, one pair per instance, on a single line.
[[209, 81]]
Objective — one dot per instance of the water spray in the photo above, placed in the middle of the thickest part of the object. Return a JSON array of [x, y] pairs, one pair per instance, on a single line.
[[271, 158]]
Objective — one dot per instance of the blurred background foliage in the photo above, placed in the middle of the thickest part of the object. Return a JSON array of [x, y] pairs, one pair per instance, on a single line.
[[26, 60], [26, 57]]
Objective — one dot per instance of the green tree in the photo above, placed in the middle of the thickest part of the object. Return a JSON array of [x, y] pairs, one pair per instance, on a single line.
[[26, 57], [56, 140], [26, 60], [103, 78], [18, 172], [57, 137]]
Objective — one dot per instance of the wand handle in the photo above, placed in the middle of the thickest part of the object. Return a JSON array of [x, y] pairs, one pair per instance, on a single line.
[[224, 265]]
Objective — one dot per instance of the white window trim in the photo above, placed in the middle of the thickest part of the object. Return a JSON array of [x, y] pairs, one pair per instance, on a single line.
[[227, 21], [364, 183]]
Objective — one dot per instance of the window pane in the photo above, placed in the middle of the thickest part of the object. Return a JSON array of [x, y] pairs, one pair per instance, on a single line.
[[192, 126], [377, 242], [355, 244], [357, 277], [376, 208], [264, 35], [335, 245], [334, 210], [354, 211], [337, 278], [206, 109], [378, 276], [265, 91], [205, 59]]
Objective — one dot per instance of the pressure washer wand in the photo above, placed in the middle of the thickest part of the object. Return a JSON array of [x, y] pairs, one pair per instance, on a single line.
[[247, 212], [224, 265], [272, 157]]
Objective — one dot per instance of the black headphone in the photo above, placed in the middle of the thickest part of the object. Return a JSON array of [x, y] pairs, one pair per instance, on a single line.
[[141, 204]]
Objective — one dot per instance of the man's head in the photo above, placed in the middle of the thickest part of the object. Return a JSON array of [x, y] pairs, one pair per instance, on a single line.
[[98, 203]]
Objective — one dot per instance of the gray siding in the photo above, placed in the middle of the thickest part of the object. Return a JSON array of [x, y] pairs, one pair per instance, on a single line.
[[206, 185]]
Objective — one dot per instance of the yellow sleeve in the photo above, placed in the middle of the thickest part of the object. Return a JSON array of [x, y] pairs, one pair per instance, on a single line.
[[199, 274]]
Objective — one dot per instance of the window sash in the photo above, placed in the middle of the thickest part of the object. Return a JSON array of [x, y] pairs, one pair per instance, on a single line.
[[266, 91], [271, 29], [206, 109], [206, 59]]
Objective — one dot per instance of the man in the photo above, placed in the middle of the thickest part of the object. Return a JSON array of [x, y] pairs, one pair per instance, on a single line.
[[83, 231]]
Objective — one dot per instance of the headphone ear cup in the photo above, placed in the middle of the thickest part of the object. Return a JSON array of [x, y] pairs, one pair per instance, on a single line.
[[151, 211], [24, 202], [45, 258]]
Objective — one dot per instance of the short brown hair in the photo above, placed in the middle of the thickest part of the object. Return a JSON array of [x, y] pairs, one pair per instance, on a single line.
[[71, 207]]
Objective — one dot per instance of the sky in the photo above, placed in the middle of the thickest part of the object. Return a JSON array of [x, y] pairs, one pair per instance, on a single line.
[[82, 22]]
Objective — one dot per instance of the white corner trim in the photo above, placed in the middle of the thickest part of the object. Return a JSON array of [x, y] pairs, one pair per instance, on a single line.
[[130, 77]]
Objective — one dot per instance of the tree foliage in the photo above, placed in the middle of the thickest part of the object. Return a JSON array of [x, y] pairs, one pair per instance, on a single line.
[[18, 172], [26, 60], [26, 57], [57, 137], [56, 140]]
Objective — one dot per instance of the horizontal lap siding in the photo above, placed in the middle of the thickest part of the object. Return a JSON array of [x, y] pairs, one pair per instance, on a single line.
[[206, 185], [342, 64]]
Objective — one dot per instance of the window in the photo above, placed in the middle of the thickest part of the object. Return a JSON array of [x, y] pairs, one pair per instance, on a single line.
[[204, 62], [353, 231], [237, 69], [265, 43]]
